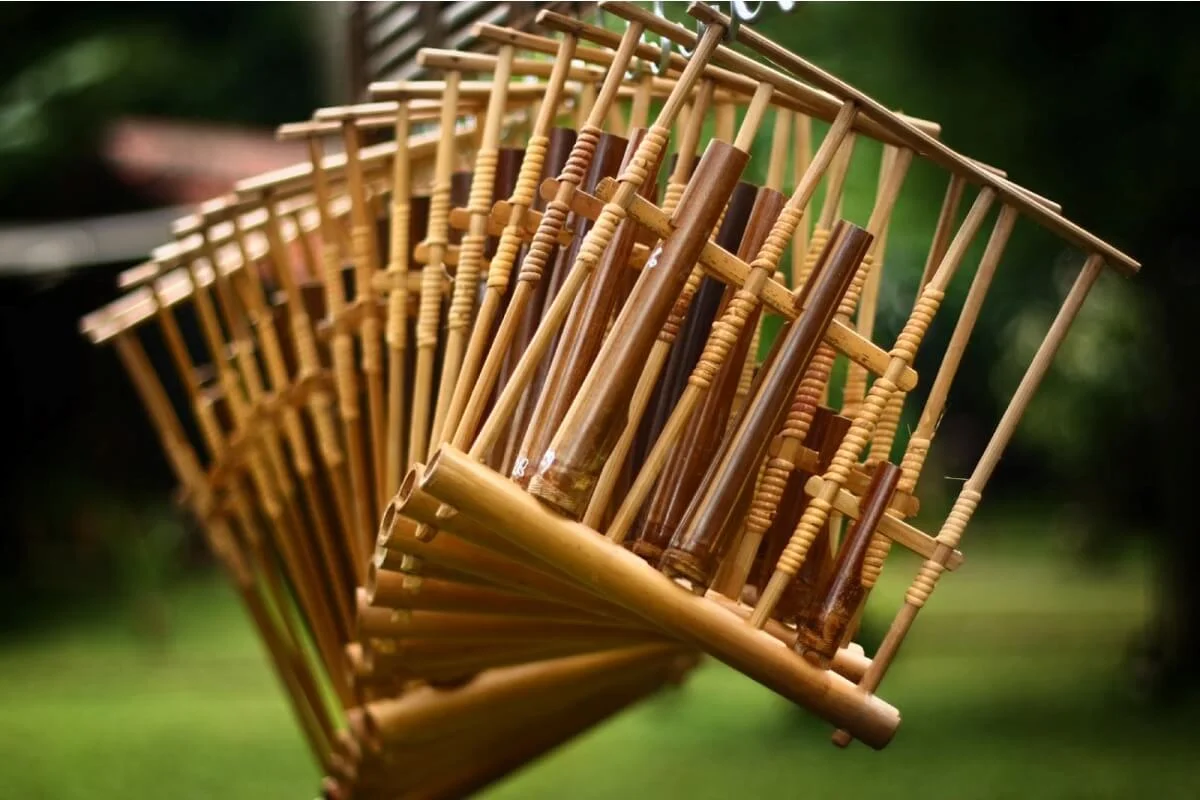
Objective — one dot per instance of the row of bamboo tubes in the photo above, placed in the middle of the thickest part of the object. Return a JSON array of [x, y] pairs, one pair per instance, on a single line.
[[478, 418]]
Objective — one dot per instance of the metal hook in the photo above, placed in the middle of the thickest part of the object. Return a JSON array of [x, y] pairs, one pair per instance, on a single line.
[[664, 44]]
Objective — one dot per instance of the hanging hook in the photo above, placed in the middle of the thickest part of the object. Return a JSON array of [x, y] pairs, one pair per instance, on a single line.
[[664, 44]]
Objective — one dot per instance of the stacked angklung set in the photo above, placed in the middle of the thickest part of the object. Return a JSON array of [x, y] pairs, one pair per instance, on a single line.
[[477, 408]]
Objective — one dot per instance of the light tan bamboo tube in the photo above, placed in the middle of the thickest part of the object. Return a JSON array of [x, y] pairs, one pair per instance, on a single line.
[[456, 479], [319, 401], [471, 250], [471, 548], [728, 327], [939, 390], [972, 491], [400, 591], [283, 527], [431, 279], [889, 421], [914, 458], [855, 386], [859, 436], [396, 325], [428, 714], [364, 250], [312, 716]]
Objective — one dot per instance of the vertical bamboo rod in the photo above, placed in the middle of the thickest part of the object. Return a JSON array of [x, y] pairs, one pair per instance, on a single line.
[[972, 491], [437, 239], [471, 250], [859, 435], [728, 327], [358, 534], [534, 263]]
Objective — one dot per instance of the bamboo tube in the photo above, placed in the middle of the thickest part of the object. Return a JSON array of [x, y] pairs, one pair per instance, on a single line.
[[812, 383], [504, 452], [509, 753], [858, 437], [427, 714], [319, 402], [596, 417], [801, 157], [431, 290], [699, 544], [700, 440], [398, 591], [582, 335], [474, 243], [456, 479], [364, 251], [919, 443], [855, 387], [523, 198], [728, 328], [825, 440], [599, 235], [284, 527], [660, 350], [396, 325], [972, 490], [825, 624], [534, 264], [528, 575], [311, 715]]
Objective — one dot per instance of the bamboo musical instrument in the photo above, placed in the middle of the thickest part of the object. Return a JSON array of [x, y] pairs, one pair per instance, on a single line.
[[540, 496]]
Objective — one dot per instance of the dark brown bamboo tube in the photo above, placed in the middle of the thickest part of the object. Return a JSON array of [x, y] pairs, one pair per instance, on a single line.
[[558, 149], [582, 334], [701, 438], [824, 624], [824, 435], [567, 475], [699, 319], [697, 548], [604, 164]]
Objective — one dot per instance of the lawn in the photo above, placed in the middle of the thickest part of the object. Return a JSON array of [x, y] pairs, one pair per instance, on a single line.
[[1012, 685]]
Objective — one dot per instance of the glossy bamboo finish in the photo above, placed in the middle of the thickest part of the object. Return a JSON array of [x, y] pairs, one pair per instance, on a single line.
[[582, 334], [454, 478], [824, 625], [533, 266], [697, 549], [702, 436], [567, 475]]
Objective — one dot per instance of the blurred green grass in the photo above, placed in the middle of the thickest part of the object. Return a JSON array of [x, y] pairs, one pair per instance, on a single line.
[[1012, 685]]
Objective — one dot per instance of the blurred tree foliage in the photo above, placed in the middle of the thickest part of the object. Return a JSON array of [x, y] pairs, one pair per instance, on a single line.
[[82, 483], [1096, 107], [65, 75]]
